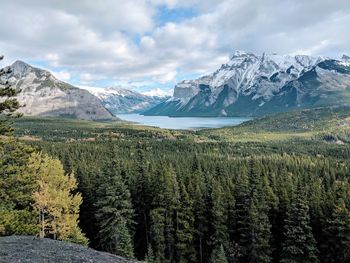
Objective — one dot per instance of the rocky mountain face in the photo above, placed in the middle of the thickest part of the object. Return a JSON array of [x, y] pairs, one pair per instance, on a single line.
[[250, 85], [32, 249], [118, 100], [44, 95]]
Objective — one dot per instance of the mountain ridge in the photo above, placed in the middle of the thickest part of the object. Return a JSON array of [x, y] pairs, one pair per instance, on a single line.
[[250, 85], [42, 94], [121, 100]]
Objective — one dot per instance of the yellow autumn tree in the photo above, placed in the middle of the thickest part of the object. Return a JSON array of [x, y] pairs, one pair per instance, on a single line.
[[56, 199]]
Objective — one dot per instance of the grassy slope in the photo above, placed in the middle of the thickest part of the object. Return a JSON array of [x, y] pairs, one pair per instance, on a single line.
[[302, 124]]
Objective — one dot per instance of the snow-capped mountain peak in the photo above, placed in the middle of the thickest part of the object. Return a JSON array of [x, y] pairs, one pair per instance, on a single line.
[[259, 80], [104, 93], [121, 100]]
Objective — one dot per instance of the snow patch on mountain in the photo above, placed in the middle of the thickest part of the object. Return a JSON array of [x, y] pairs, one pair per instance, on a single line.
[[257, 80], [120, 100]]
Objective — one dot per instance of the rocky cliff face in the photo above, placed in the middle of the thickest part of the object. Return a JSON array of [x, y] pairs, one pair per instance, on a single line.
[[252, 84], [32, 249], [118, 100], [44, 95]]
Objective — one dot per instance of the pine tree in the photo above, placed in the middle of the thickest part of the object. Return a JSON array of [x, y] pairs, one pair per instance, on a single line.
[[185, 228], [219, 216], [196, 190], [337, 233], [9, 105], [114, 212], [141, 196], [150, 255], [157, 233], [253, 226], [163, 216], [260, 250], [241, 221], [299, 244], [218, 255]]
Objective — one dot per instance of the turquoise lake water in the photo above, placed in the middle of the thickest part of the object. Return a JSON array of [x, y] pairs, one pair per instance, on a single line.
[[183, 123]]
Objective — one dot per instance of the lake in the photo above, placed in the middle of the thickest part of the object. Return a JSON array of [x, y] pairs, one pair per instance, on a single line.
[[182, 123]]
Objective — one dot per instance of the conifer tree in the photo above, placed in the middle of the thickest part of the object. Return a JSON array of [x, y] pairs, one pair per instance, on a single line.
[[241, 224], [157, 233], [299, 244], [218, 255], [253, 226], [337, 234], [17, 216], [114, 212], [9, 105], [185, 228], [260, 250], [150, 255], [163, 216], [141, 196], [219, 216], [196, 190]]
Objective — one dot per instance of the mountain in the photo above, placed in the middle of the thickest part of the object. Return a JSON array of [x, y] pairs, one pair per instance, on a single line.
[[42, 250], [119, 100], [251, 85], [44, 95]]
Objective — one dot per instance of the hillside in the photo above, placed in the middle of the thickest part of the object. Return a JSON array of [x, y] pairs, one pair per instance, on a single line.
[[320, 124], [31, 249], [255, 85], [42, 94]]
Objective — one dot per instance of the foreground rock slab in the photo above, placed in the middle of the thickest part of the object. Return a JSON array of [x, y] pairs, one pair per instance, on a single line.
[[20, 249]]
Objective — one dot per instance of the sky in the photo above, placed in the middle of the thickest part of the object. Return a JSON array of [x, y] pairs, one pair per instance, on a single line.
[[150, 45]]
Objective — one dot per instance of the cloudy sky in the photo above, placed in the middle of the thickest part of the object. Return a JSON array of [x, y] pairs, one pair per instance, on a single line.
[[150, 45]]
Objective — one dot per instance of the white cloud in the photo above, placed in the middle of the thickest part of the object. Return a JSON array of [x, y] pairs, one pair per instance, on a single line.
[[120, 41]]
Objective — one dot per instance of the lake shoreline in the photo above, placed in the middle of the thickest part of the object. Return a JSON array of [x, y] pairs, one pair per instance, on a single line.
[[182, 123]]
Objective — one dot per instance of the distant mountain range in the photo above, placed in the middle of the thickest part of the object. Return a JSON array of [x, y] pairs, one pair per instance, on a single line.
[[251, 85], [119, 100], [44, 95], [248, 85]]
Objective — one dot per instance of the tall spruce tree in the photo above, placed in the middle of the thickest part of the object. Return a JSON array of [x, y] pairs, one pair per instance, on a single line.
[[141, 196], [253, 225], [299, 244], [218, 255], [185, 229], [9, 105], [241, 219], [114, 211], [260, 250], [337, 234], [163, 216], [219, 216]]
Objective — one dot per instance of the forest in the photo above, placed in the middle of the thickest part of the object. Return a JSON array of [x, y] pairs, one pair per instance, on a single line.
[[219, 195]]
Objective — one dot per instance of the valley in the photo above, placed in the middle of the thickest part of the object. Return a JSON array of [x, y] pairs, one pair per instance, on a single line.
[[193, 188], [308, 148]]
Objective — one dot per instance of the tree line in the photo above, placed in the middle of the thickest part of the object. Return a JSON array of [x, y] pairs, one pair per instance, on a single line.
[[168, 206]]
